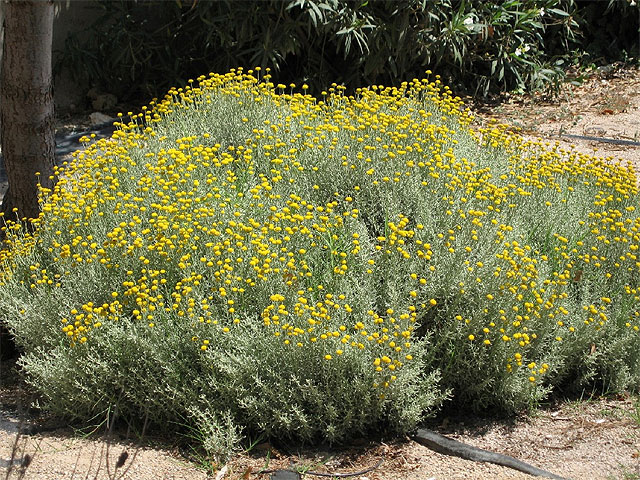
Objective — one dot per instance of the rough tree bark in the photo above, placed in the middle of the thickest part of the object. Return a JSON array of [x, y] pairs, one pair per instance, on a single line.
[[26, 104], [26, 112]]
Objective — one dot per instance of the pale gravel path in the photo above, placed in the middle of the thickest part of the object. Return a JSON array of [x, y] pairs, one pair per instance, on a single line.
[[591, 440], [57, 457]]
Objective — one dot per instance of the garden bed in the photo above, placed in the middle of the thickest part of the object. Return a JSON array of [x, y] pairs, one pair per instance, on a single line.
[[619, 451]]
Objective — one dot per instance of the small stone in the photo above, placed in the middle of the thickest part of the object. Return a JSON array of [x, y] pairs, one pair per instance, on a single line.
[[99, 117]]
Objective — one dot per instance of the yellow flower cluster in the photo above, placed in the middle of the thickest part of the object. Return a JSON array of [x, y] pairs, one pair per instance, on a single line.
[[293, 215]]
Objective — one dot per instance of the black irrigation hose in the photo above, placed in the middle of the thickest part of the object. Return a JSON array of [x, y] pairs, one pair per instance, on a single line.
[[448, 446], [286, 474], [438, 443], [614, 141]]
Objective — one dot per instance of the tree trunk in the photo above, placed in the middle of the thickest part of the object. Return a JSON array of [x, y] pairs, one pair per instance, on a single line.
[[26, 104], [26, 113]]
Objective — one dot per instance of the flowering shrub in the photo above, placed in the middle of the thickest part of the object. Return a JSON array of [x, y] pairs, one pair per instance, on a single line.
[[241, 258]]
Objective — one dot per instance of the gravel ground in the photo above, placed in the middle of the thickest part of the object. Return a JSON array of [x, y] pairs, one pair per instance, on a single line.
[[596, 439]]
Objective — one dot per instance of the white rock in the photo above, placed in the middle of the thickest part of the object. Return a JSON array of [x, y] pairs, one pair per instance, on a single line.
[[99, 117]]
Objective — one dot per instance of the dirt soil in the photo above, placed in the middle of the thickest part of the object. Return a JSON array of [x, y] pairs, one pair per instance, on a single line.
[[595, 438], [605, 107]]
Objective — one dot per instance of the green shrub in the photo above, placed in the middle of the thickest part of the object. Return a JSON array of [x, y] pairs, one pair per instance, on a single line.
[[137, 50], [609, 30], [241, 259]]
